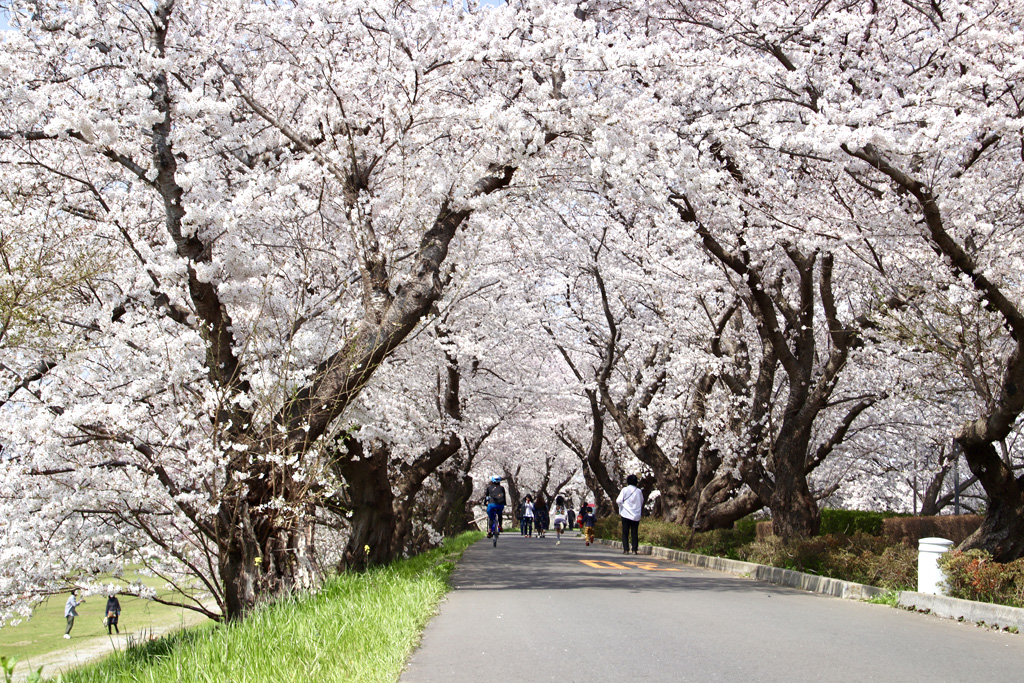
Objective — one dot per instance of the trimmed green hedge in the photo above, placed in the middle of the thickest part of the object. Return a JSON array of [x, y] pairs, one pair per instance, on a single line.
[[847, 522], [851, 521]]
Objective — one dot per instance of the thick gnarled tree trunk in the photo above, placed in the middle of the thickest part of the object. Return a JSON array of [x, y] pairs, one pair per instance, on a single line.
[[1002, 531]]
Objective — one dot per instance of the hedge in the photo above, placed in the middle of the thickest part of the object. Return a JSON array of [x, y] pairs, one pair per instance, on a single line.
[[909, 529], [894, 527]]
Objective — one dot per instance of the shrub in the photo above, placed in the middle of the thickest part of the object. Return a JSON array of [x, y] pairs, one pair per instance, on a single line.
[[973, 575], [860, 558], [801, 556], [896, 569], [664, 534], [909, 529], [721, 542], [608, 527], [746, 528]]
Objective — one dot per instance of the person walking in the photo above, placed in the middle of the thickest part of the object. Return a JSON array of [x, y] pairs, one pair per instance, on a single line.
[[631, 504], [559, 517], [526, 517], [541, 517], [587, 523], [113, 611], [70, 612]]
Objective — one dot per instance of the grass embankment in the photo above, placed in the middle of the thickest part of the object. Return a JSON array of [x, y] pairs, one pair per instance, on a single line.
[[857, 557], [358, 627], [44, 632]]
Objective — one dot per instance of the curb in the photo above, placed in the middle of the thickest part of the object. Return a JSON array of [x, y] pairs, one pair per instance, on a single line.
[[981, 613], [783, 577]]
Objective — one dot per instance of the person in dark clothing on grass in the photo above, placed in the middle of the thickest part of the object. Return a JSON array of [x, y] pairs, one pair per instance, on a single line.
[[113, 611]]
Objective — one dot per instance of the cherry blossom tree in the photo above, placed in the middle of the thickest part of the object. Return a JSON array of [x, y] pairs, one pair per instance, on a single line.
[[282, 186], [917, 109], [325, 266]]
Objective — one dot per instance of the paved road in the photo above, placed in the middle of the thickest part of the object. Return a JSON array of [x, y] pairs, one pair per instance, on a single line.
[[530, 611]]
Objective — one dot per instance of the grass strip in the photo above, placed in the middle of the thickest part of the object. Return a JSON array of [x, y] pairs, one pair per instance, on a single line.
[[357, 627]]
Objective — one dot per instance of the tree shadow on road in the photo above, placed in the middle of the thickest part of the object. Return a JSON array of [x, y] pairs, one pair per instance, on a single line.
[[520, 563]]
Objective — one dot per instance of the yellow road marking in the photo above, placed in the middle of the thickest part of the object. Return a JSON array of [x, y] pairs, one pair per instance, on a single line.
[[646, 566]]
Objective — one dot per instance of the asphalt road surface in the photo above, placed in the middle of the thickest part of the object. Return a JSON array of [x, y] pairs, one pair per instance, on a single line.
[[529, 610]]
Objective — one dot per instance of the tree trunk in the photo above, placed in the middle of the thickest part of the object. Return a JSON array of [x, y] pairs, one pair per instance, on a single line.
[[603, 505], [514, 495], [452, 515], [236, 559], [266, 552], [795, 513], [930, 498], [1002, 531], [371, 502], [673, 498], [724, 513]]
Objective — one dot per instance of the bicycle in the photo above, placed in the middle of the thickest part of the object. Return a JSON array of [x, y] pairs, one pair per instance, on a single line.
[[495, 529]]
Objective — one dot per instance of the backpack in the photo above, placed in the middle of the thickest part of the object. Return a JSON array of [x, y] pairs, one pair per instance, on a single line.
[[496, 493]]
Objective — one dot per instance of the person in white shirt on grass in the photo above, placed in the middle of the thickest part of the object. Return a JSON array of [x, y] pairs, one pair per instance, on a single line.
[[69, 611], [631, 503]]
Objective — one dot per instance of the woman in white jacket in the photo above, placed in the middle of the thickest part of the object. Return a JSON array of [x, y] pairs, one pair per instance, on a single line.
[[631, 503]]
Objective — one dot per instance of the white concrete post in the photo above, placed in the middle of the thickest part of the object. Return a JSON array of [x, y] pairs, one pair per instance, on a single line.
[[928, 573]]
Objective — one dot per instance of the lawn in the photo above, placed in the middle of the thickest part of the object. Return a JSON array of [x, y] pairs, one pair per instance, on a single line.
[[358, 627], [44, 631]]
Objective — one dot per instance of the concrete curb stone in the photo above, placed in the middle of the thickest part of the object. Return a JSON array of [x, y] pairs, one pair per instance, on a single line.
[[996, 616], [783, 577]]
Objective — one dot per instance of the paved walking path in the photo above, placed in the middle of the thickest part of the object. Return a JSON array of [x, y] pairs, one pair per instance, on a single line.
[[529, 610]]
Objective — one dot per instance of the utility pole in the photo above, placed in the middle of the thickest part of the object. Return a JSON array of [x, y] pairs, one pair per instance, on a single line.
[[956, 480]]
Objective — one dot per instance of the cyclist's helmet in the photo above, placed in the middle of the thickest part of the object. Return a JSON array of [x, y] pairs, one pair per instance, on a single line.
[[495, 479]]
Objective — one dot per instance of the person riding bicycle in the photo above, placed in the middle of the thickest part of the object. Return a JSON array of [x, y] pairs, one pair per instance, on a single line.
[[495, 499]]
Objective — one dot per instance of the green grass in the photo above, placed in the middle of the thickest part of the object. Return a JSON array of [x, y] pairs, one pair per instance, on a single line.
[[891, 598], [43, 633], [358, 627]]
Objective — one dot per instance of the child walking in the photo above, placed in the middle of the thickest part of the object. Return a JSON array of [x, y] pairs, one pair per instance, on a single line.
[[559, 517], [589, 518]]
